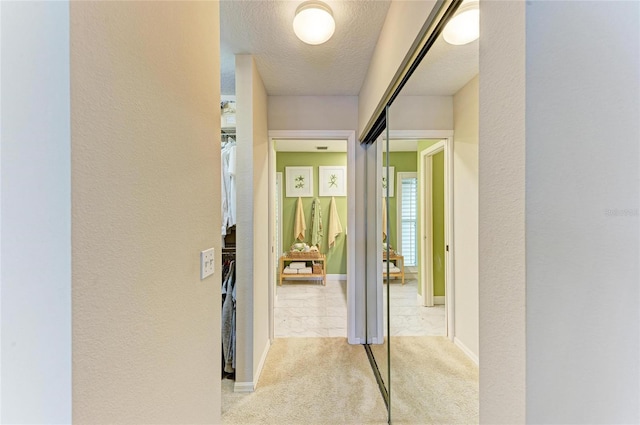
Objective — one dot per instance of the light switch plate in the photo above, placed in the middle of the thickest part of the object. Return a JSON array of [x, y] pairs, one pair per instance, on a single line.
[[206, 263]]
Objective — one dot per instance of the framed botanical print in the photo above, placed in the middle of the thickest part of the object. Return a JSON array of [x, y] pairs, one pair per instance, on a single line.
[[299, 182], [332, 180]]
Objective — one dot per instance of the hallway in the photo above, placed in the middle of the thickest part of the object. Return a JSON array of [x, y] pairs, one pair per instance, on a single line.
[[111, 192]]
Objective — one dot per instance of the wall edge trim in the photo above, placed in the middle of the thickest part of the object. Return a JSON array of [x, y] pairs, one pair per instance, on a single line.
[[466, 351], [263, 358]]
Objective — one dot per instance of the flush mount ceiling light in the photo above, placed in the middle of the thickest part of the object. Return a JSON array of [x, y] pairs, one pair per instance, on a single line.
[[314, 22], [464, 27]]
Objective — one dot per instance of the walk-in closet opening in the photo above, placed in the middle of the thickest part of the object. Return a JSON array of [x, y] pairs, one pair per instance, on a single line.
[[228, 167], [310, 212]]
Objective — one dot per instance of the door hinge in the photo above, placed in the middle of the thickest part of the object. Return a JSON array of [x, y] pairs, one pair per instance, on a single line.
[[447, 248]]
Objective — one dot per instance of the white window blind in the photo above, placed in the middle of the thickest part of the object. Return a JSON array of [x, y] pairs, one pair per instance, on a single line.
[[409, 220]]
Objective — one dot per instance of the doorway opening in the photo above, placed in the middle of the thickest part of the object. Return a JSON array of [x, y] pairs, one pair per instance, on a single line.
[[435, 229], [411, 217], [310, 212]]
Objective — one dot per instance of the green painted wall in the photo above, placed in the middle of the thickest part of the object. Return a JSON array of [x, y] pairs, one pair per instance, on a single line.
[[337, 256], [438, 224], [403, 162]]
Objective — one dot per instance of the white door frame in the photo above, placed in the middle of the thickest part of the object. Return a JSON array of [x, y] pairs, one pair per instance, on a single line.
[[272, 238], [277, 242], [350, 137]]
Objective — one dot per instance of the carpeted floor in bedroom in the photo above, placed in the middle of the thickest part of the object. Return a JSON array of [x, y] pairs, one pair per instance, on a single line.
[[328, 381]]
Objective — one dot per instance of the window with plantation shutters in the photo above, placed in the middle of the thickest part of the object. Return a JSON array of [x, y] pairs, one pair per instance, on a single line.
[[408, 213]]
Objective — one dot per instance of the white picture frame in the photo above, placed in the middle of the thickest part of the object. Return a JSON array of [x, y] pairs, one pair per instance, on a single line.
[[332, 180], [299, 182], [392, 180]]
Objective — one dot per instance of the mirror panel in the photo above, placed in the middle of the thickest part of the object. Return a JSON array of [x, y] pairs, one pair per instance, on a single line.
[[431, 379]]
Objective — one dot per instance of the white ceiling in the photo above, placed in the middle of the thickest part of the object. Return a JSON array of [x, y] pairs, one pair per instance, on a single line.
[[290, 67], [287, 65]]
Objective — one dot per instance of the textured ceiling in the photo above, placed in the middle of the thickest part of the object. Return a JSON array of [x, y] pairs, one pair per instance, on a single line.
[[287, 65], [444, 70], [290, 67]]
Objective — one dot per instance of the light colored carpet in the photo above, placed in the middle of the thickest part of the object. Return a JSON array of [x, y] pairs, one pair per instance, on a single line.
[[328, 381], [432, 381], [309, 381]]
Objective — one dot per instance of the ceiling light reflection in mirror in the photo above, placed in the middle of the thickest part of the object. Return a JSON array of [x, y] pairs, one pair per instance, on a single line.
[[464, 27]]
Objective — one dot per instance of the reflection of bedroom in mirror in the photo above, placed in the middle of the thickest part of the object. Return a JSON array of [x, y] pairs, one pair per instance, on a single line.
[[428, 268]]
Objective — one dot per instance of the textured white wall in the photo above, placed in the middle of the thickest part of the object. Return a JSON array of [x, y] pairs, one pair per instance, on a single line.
[[36, 214], [146, 195], [582, 179], [501, 212], [465, 220], [252, 234], [261, 244], [421, 113], [313, 112], [404, 21], [244, 226]]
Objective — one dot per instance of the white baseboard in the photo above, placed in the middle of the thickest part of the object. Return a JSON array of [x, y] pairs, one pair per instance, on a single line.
[[466, 350], [437, 300], [249, 387], [243, 387], [263, 358], [336, 277]]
